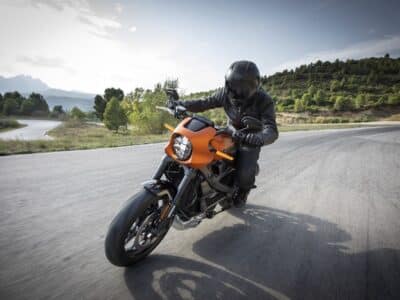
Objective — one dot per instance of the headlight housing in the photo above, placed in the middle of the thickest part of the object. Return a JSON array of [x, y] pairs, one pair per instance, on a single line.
[[182, 147]]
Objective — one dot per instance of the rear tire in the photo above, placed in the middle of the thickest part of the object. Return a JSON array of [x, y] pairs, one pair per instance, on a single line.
[[134, 209]]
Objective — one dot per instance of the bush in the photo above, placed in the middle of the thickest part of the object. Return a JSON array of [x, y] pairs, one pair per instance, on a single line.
[[343, 103], [77, 114], [394, 99], [9, 123], [298, 106], [360, 101]]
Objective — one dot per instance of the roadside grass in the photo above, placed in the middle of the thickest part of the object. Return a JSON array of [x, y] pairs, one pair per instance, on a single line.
[[9, 124], [395, 117], [75, 135], [317, 126]]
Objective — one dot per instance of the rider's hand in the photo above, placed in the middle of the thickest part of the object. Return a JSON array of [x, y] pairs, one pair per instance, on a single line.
[[238, 136], [172, 104], [254, 139], [172, 94]]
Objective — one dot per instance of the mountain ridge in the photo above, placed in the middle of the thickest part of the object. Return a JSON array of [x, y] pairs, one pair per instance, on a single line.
[[26, 84]]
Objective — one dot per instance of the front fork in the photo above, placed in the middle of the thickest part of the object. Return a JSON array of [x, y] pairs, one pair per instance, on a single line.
[[189, 175]]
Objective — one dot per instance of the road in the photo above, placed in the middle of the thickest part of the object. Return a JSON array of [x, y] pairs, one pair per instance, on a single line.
[[324, 223], [35, 130]]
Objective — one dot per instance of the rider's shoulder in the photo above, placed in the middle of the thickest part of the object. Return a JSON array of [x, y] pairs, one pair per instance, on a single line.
[[220, 94], [263, 96]]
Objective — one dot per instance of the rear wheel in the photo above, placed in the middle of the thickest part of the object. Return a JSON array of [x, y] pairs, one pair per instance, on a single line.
[[137, 229]]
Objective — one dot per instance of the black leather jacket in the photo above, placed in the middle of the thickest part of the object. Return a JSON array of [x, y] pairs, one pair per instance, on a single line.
[[260, 106]]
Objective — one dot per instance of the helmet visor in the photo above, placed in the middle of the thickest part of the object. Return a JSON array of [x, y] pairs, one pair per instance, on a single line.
[[242, 89]]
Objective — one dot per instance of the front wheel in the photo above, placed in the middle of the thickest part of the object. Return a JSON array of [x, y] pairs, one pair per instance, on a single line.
[[137, 229]]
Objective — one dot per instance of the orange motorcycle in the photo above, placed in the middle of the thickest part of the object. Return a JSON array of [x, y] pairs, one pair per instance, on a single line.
[[194, 181]]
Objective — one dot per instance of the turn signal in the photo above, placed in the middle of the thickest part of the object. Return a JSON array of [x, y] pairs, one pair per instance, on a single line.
[[169, 127], [224, 155]]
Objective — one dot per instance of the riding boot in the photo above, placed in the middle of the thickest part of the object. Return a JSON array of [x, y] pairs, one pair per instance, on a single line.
[[240, 197]]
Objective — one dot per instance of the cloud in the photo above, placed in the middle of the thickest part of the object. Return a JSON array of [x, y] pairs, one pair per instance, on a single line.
[[46, 62], [100, 25], [133, 29], [376, 47], [118, 8]]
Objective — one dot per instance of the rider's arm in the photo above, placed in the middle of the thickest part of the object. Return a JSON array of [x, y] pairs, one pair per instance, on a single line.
[[270, 130], [213, 101]]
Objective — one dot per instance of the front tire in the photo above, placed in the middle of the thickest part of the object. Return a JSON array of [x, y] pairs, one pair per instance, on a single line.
[[134, 224]]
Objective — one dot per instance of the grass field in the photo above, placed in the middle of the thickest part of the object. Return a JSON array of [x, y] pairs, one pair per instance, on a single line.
[[75, 135], [9, 124]]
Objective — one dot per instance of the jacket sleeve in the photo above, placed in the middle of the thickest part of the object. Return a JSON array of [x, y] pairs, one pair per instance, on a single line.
[[213, 101], [270, 130]]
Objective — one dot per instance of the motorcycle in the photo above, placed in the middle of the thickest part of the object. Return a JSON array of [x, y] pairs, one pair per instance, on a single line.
[[194, 181]]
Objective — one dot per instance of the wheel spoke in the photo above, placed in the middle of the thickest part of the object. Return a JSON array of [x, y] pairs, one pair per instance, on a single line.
[[142, 233]]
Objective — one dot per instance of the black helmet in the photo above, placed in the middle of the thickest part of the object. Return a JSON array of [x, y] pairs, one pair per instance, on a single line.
[[242, 80]]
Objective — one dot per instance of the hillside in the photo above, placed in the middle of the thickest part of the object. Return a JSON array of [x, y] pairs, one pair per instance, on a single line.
[[340, 91], [339, 86]]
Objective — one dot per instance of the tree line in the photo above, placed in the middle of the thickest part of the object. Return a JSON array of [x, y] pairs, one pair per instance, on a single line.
[[35, 105], [350, 85], [137, 108], [339, 86]]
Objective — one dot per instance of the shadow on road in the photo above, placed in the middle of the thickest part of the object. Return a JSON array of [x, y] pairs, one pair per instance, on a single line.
[[273, 254]]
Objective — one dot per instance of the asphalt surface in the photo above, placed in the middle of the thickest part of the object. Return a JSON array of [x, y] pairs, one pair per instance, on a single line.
[[34, 130], [324, 223]]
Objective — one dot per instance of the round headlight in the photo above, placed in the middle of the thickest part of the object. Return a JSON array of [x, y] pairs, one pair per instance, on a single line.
[[182, 147]]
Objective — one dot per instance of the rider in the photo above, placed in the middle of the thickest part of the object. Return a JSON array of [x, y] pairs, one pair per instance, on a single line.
[[243, 96]]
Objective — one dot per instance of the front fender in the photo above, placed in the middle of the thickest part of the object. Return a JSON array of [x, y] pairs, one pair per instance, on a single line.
[[160, 188]]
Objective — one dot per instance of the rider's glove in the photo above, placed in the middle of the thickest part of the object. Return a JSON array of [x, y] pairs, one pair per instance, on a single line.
[[254, 139], [172, 94], [172, 104], [238, 136]]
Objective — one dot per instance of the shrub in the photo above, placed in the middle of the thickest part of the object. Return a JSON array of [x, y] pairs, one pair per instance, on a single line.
[[360, 101], [298, 106], [77, 114], [343, 103], [394, 99]]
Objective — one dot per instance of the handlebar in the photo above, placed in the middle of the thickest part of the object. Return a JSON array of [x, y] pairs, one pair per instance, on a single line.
[[177, 111]]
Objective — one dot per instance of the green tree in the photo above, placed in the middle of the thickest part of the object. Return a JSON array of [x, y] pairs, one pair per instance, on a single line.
[[58, 109], [361, 101], [15, 104], [40, 105], [312, 90], [319, 97], [99, 106], [113, 92], [343, 103], [1, 102], [306, 99], [114, 116], [334, 86], [10, 107], [27, 107], [298, 105], [77, 114]]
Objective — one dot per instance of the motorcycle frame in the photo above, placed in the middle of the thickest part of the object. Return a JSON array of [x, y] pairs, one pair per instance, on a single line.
[[164, 187]]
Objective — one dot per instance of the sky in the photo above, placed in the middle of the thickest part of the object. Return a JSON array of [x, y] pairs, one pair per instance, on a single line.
[[89, 45]]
